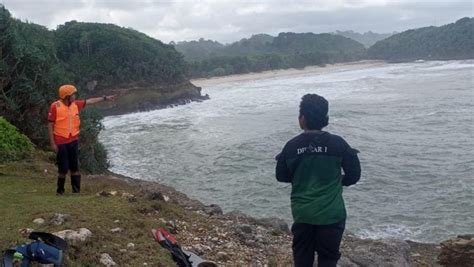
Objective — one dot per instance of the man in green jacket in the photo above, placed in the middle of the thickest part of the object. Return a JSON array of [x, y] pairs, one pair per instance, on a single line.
[[312, 163]]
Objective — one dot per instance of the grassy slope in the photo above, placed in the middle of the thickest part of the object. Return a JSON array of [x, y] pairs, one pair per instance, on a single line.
[[27, 192]]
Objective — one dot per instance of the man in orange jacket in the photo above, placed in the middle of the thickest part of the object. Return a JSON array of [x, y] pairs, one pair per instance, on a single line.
[[64, 127]]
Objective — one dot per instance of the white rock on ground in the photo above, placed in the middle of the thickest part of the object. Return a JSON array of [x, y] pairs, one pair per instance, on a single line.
[[72, 236], [39, 221], [106, 260], [59, 218], [26, 231]]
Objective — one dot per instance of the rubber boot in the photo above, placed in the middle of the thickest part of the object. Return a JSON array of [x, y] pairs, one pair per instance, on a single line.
[[60, 188], [76, 183]]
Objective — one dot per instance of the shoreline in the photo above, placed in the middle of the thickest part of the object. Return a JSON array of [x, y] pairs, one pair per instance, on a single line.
[[239, 226], [399, 252], [135, 206], [203, 82]]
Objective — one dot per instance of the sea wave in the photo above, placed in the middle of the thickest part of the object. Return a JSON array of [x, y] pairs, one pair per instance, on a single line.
[[414, 133]]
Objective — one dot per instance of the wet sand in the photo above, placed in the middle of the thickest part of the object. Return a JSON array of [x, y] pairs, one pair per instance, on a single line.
[[310, 70]]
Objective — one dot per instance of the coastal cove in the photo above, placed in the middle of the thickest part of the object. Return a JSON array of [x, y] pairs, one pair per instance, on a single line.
[[221, 151], [191, 133], [117, 213]]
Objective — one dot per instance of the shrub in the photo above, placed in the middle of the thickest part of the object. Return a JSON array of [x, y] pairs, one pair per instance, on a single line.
[[13, 144], [93, 156]]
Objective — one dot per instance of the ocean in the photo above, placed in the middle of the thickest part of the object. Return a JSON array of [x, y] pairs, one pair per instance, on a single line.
[[412, 122]]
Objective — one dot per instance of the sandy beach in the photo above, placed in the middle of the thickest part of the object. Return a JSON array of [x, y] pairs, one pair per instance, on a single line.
[[202, 82]]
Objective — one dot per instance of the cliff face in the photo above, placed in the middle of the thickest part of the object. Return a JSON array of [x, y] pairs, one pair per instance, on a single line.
[[135, 98]]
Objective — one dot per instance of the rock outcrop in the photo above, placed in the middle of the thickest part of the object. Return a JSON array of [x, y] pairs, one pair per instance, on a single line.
[[458, 251], [382, 252], [149, 97]]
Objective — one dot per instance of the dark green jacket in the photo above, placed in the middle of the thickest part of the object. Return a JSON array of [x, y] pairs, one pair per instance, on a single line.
[[312, 163]]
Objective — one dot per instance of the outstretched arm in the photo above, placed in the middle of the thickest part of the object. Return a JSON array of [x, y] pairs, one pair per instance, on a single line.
[[99, 99]]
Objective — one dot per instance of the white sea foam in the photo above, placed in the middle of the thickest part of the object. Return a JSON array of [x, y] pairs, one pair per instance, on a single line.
[[389, 230], [411, 121]]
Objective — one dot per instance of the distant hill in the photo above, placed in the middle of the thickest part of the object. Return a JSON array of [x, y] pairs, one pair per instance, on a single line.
[[201, 49], [115, 56], [367, 39], [256, 44], [264, 52], [196, 50], [451, 41]]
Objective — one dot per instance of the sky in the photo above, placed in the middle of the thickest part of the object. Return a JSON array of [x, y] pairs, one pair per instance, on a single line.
[[229, 21]]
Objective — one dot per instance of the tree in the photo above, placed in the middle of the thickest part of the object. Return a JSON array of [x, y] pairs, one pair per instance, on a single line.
[[451, 41]]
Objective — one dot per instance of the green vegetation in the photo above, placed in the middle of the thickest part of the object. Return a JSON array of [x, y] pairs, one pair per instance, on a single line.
[[34, 62], [13, 144], [367, 38], [451, 41], [116, 56], [198, 50], [264, 52], [93, 156], [29, 192], [30, 76], [28, 71]]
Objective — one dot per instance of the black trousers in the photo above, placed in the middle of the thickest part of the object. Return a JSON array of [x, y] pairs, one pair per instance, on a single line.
[[323, 239], [68, 160], [68, 157]]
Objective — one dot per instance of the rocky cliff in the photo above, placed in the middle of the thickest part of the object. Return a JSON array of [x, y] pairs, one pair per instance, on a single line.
[[138, 97]]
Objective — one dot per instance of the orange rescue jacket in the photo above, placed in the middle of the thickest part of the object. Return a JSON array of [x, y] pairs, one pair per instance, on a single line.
[[67, 120]]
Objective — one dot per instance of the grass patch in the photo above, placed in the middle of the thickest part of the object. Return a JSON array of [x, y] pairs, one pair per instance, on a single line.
[[27, 191]]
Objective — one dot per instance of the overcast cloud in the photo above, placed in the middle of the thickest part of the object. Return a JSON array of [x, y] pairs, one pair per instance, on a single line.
[[228, 21]]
